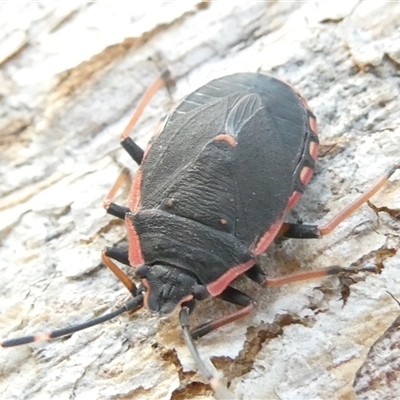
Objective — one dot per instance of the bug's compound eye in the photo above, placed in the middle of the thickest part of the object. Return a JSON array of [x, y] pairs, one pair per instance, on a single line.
[[141, 271], [200, 292]]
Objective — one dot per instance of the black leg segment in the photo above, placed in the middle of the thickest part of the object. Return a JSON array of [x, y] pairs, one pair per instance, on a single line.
[[117, 254], [256, 274], [233, 296], [133, 150], [117, 211], [300, 231]]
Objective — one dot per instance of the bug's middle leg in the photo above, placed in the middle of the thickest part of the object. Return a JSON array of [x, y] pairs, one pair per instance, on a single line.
[[127, 143], [112, 208], [114, 253]]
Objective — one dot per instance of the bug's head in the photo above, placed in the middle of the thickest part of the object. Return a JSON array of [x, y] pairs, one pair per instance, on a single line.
[[167, 287]]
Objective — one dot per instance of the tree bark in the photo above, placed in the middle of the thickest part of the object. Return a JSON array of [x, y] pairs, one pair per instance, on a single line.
[[70, 77]]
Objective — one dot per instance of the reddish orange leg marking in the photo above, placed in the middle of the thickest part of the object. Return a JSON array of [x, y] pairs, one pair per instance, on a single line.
[[232, 296], [135, 152], [210, 326], [122, 179], [145, 99], [112, 208], [131, 147], [319, 273], [257, 275], [126, 281], [303, 231], [377, 185]]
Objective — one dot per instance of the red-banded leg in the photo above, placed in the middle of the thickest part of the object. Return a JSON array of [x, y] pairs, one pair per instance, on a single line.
[[303, 231]]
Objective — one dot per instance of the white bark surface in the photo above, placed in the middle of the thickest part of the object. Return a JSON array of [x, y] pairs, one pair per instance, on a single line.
[[70, 75]]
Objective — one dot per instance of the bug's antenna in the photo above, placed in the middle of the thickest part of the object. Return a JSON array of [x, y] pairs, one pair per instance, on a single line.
[[135, 303], [219, 389], [394, 298]]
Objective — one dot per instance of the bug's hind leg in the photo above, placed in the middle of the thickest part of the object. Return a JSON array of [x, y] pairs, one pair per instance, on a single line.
[[131, 147], [258, 275], [230, 295], [300, 231], [127, 143], [303, 231]]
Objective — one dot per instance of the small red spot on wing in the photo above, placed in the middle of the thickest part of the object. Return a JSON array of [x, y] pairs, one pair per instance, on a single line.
[[304, 102], [313, 124], [313, 149], [226, 138], [135, 253], [134, 198], [217, 287], [305, 175]]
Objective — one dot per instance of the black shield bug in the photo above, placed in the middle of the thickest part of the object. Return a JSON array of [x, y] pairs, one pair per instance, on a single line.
[[212, 192]]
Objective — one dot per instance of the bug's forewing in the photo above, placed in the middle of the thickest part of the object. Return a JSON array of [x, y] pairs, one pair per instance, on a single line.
[[242, 189]]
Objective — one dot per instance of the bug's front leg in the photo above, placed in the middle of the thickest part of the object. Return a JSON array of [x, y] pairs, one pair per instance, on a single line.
[[120, 255], [112, 208], [115, 253], [233, 296], [127, 143]]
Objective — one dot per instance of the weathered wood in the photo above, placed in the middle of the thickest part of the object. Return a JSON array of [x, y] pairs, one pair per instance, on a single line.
[[71, 74]]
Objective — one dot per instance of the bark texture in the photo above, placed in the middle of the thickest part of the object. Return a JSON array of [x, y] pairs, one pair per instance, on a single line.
[[70, 75]]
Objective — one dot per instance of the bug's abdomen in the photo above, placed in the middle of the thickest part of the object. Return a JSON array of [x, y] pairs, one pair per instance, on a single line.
[[235, 155]]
